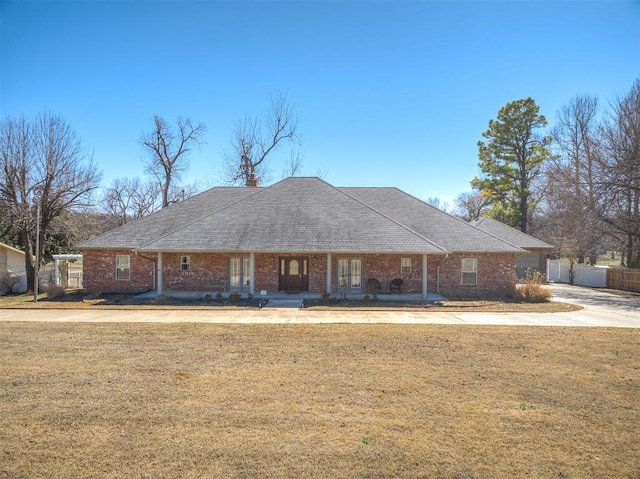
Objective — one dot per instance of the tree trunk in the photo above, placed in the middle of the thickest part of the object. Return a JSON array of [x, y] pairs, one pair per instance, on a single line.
[[633, 260], [630, 258]]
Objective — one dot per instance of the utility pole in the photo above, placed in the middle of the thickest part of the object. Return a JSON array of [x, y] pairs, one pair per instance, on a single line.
[[35, 271]]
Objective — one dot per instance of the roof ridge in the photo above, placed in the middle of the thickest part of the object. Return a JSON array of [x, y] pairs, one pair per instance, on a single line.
[[444, 250]]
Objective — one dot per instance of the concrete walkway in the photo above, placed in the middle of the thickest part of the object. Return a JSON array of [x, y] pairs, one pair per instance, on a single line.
[[601, 310]]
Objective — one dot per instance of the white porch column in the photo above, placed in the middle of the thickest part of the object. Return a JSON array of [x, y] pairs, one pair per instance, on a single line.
[[252, 272], [328, 272], [56, 270], [424, 277], [159, 275]]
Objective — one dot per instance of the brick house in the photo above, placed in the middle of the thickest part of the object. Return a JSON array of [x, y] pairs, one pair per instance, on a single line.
[[303, 235]]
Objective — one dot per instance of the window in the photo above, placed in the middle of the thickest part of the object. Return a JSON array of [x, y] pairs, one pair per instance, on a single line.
[[239, 274], [350, 274], [185, 263], [123, 267], [469, 271], [405, 265]]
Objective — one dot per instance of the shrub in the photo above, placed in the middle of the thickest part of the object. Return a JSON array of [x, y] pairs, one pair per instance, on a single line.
[[7, 281], [234, 297], [54, 291], [326, 296], [219, 297], [207, 298], [532, 290]]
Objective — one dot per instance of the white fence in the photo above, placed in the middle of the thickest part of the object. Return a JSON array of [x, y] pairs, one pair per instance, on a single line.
[[583, 275]]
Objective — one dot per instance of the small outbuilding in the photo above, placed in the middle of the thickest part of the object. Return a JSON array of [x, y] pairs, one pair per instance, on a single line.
[[13, 276]]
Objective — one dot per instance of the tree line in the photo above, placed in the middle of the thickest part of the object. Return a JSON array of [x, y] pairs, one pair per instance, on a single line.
[[575, 185]]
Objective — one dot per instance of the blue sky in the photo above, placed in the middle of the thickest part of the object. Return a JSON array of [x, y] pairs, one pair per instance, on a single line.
[[388, 93]]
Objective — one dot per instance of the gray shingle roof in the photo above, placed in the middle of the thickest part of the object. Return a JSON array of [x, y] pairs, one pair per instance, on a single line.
[[512, 235], [451, 233], [299, 215]]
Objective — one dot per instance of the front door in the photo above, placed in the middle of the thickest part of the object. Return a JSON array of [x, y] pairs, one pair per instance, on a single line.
[[294, 273]]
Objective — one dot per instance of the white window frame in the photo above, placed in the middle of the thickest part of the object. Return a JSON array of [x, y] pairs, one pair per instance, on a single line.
[[184, 263], [121, 259], [469, 267], [405, 265], [350, 274], [239, 273]]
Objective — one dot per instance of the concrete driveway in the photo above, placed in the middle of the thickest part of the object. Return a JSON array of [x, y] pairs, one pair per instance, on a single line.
[[601, 309]]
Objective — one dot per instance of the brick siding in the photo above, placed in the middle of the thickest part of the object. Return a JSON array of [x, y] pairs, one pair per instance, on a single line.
[[496, 274], [99, 272]]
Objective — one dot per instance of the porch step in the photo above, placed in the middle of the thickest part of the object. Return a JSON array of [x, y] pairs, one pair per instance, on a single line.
[[284, 303]]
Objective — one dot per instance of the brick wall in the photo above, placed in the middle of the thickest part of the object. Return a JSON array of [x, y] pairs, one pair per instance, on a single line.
[[385, 267], [496, 276], [207, 272], [496, 273], [99, 272]]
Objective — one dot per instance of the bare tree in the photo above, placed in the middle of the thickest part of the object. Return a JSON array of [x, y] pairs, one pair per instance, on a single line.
[[572, 198], [437, 203], [44, 167], [254, 139], [129, 198], [294, 164], [168, 150], [620, 163], [470, 205]]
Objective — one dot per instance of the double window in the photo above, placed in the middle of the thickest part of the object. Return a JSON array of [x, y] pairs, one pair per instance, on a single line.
[[123, 267], [469, 271]]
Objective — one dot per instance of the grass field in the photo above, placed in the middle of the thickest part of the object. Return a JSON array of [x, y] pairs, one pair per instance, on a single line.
[[317, 401]]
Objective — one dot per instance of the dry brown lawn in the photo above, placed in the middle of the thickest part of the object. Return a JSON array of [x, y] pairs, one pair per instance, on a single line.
[[317, 401]]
